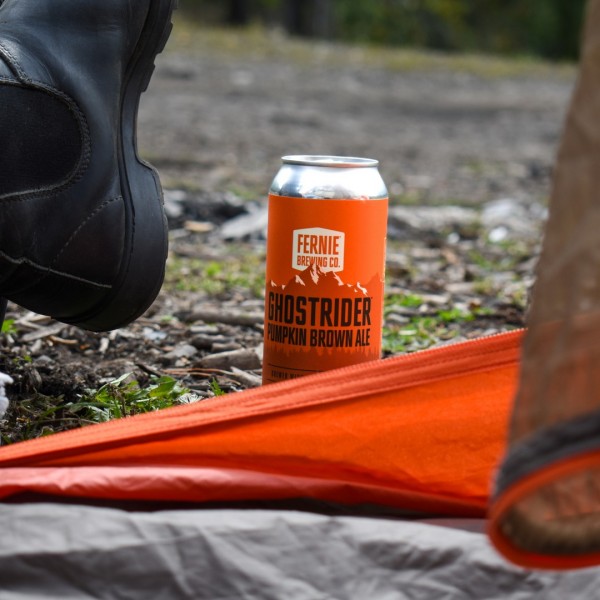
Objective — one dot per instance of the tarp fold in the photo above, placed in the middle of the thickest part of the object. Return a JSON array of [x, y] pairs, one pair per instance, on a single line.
[[420, 432]]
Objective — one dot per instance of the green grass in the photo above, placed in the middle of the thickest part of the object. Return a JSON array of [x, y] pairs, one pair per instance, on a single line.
[[407, 300], [419, 333], [216, 278], [423, 331], [259, 43], [215, 388], [500, 256], [40, 415]]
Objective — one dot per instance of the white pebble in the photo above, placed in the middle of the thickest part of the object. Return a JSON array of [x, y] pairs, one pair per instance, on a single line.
[[4, 380]]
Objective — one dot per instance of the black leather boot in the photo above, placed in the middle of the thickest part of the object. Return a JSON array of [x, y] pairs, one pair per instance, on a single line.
[[83, 235]]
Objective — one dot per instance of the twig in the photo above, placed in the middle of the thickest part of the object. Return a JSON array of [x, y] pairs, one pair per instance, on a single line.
[[62, 341], [195, 371], [149, 370], [44, 332], [227, 318]]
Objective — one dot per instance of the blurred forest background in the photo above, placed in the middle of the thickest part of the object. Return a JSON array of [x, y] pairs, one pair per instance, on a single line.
[[545, 28]]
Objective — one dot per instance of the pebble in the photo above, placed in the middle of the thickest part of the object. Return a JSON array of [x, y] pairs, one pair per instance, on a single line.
[[507, 218], [181, 351], [432, 218], [4, 380], [250, 225], [225, 347], [206, 342]]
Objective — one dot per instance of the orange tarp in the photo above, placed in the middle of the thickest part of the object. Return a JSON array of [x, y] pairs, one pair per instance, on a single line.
[[421, 432]]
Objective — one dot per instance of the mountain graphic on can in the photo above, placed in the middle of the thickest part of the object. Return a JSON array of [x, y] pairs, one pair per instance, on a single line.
[[325, 266]]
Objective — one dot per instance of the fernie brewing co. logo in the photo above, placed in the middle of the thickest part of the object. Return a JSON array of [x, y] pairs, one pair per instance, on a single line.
[[316, 246]]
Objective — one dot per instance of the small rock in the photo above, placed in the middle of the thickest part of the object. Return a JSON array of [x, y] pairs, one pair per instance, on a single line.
[[252, 224], [4, 380], [43, 359], [181, 351], [432, 218], [498, 234], [206, 342], [154, 335], [509, 217], [208, 329], [173, 203], [225, 347]]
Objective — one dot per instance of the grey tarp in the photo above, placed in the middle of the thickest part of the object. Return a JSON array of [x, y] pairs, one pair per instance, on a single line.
[[50, 551]]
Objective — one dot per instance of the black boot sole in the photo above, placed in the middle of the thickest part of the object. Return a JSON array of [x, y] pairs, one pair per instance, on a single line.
[[143, 268]]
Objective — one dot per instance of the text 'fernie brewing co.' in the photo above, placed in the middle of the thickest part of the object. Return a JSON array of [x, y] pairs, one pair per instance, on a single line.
[[325, 265]]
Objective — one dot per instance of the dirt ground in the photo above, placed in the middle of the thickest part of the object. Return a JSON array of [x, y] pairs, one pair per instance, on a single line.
[[467, 141], [222, 119]]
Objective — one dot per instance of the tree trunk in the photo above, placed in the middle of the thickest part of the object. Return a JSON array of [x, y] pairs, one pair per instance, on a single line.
[[239, 12], [308, 18]]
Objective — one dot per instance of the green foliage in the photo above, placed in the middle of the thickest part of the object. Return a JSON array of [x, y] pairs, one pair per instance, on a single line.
[[123, 398], [215, 388], [8, 327], [548, 28]]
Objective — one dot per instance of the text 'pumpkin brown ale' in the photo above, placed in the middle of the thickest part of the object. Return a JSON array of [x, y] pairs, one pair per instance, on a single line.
[[325, 265]]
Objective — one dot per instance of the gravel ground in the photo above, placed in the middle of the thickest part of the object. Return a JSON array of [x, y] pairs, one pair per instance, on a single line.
[[221, 119], [467, 155]]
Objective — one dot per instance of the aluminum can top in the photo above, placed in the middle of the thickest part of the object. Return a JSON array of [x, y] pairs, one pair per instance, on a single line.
[[340, 162], [329, 177]]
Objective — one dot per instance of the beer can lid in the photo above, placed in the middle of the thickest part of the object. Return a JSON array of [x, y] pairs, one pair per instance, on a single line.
[[329, 161]]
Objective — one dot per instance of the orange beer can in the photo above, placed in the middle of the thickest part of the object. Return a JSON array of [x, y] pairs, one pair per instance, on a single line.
[[326, 243]]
